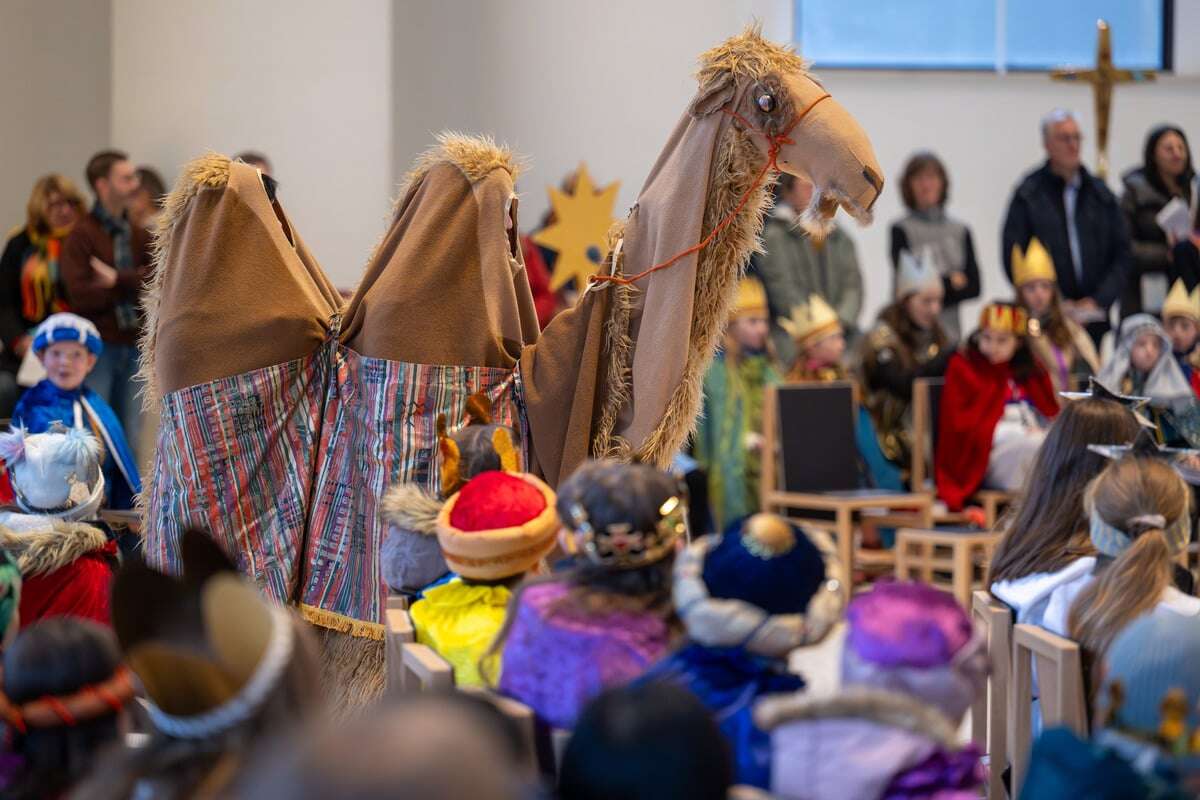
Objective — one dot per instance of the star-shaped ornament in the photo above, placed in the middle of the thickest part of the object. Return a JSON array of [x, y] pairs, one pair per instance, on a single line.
[[1099, 391], [582, 220]]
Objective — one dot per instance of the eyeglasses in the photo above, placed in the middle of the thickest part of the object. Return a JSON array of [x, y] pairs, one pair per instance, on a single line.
[[1073, 138]]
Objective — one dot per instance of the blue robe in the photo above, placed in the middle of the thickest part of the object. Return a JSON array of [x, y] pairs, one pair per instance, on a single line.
[[45, 403], [730, 681]]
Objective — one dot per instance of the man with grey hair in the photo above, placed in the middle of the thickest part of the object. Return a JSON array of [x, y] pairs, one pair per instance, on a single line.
[[1079, 221]]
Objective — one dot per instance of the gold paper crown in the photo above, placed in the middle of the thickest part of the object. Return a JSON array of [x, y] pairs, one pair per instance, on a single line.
[[1035, 264], [811, 321], [1004, 317], [1181, 304], [751, 299]]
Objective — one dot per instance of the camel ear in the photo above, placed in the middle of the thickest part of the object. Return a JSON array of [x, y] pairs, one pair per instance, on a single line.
[[451, 459], [713, 95]]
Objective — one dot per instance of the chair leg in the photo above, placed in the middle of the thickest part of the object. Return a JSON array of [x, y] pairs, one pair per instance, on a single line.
[[845, 546], [962, 573]]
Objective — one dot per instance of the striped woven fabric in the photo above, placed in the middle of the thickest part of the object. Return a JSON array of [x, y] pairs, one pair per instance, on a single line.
[[286, 466]]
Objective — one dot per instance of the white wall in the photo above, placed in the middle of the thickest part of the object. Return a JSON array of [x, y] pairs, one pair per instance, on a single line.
[[305, 81], [54, 92], [604, 83]]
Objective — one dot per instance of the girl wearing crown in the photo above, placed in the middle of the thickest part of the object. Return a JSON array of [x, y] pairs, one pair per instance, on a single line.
[[1059, 343], [906, 343], [728, 440], [1181, 318], [993, 408]]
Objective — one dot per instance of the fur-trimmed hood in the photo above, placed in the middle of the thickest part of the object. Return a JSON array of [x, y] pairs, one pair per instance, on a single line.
[[410, 507], [44, 544], [855, 744]]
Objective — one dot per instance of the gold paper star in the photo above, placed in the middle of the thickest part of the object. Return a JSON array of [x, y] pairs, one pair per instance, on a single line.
[[581, 222]]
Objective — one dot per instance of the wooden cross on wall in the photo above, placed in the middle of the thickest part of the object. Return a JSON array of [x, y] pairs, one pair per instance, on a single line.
[[1103, 78]]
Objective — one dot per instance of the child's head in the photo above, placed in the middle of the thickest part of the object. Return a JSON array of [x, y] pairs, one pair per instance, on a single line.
[[498, 525], [763, 585], [1140, 517], [651, 742], [56, 473], [1181, 317], [54, 674], [919, 290], [1145, 351], [1048, 528], [917, 640], [1003, 328], [68, 346], [749, 321], [1152, 663], [623, 521], [817, 331], [1034, 276]]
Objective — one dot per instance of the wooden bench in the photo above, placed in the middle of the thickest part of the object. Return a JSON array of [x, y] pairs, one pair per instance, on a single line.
[[929, 553], [989, 714], [1060, 693]]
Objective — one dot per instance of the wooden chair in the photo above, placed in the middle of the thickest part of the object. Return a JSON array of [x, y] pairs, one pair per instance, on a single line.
[[928, 555], [1060, 694], [810, 464], [989, 714], [399, 633], [927, 396]]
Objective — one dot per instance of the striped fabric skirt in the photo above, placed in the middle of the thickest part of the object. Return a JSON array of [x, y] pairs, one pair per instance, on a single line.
[[285, 466]]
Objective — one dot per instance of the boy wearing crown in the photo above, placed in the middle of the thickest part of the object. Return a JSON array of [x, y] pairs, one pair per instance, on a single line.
[[68, 346], [994, 409], [728, 440], [1059, 343], [820, 345], [1181, 318]]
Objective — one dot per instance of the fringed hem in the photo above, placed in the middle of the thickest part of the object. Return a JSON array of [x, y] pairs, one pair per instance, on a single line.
[[342, 624]]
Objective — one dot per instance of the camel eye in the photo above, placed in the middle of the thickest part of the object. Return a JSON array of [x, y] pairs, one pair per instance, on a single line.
[[766, 102]]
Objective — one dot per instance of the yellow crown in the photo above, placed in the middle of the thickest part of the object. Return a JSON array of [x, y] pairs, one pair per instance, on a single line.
[[811, 321], [1004, 317], [751, 299], [1035, 264], [1181, 304]]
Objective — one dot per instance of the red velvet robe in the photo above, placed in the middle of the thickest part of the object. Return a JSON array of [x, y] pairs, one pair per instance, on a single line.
[[80, 588], [972, 403]]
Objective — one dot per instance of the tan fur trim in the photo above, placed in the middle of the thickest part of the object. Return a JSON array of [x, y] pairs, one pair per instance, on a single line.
[[618, 349], [475, 156], [877, 705], [341, 623], [352, 671], [410, 507], [209, 171], [720, 267], [53, 547], [749, 55]]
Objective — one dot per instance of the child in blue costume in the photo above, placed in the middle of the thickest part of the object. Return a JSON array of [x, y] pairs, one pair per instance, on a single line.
[[68, 346], [748, 598]]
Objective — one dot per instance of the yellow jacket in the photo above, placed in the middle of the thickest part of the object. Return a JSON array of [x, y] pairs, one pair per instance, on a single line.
[[459, 621]]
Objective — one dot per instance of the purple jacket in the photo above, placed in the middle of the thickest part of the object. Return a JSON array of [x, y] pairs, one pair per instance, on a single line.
[[557, 657], [863, 744]]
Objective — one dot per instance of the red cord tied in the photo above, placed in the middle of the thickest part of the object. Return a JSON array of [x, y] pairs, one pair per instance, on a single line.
[[775, 143]]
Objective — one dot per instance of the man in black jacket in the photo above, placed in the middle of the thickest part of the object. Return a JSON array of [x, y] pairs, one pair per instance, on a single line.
[[1078, 220]]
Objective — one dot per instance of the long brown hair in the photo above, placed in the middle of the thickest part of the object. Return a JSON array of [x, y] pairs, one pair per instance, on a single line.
[[1054, 325], [1131, 584], [909, 334], [1047, 530]]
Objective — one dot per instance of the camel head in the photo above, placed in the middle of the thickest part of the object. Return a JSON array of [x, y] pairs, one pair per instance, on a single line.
[[768, 86]]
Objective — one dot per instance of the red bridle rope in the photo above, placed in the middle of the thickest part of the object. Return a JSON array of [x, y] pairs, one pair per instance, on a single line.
[[775, 143]]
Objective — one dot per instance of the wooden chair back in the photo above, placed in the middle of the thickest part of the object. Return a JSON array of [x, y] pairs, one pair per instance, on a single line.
[[1060, 694], [989, 714], [801, 420], [926, 400]]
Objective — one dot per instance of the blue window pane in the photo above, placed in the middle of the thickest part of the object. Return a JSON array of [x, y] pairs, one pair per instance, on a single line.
[[1042, 34], [884, 33]]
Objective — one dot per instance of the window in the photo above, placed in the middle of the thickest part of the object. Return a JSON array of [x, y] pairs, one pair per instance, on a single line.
[[980, 34]]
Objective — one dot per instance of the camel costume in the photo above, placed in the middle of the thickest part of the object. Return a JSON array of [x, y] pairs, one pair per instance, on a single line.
[[286, 415]]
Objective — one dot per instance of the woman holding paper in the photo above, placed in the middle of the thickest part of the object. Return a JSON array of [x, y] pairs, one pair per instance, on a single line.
[[1164, 181]]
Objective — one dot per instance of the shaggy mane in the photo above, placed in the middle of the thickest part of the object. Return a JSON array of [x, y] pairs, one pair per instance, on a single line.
[[749, 54], [475, 156]]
